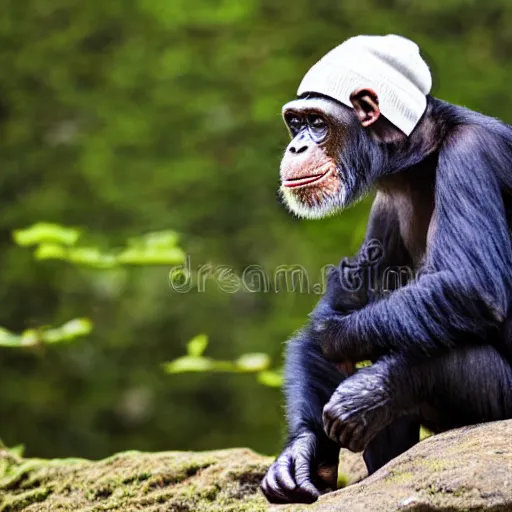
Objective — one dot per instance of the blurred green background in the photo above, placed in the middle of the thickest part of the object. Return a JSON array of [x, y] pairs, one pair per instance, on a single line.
[[126, 117]]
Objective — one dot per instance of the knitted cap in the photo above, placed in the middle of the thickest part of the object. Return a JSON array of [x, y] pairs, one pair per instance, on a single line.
[[390, 65]]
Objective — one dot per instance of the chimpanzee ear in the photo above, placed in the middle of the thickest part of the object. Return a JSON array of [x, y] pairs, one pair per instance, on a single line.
[[366, 105]]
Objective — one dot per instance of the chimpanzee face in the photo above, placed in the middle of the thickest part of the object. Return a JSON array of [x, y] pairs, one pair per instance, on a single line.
[[336, 153], [312, 182]]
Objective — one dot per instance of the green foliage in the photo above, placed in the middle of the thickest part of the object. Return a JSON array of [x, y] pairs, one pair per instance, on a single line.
[[55, 242], [196, 346], [253, 362], [17, 450], [270, 378], [69, 331], [194, 361], [45, 233]]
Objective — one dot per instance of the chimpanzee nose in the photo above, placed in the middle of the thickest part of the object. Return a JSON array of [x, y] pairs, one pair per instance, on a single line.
[[296, 149]]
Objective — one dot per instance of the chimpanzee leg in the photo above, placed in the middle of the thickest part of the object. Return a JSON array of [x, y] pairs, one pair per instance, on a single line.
[[467, 386], [464, 386], [308, 464], [391, 441]]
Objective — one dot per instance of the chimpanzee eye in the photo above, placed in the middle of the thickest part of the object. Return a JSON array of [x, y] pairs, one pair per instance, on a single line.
[[293, 122], [317, 122]]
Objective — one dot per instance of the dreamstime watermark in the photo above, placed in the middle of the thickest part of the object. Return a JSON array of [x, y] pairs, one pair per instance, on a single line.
[[367, 270], [253, 279]]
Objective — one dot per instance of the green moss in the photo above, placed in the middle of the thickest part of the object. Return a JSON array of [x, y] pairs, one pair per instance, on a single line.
[[434, 465], [220, 481], [399, 477], [458, 492], [24, 499]]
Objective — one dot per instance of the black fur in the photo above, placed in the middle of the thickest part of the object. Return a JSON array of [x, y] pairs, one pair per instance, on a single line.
[[442, 344]]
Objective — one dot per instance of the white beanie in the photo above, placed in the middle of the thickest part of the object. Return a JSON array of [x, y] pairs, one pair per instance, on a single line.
[[390, 65]]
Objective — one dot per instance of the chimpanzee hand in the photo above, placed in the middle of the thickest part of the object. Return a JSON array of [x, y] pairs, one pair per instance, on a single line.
[[306, 468], [347, 291], [359, 408], [327, 329]]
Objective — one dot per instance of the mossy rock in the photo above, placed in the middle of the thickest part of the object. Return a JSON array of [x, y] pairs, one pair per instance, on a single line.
[[464, 470], [217, 481], [468, 470]]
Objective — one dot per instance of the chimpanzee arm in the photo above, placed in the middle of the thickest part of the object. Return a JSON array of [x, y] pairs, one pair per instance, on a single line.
[[308, 463], [467, 283], [309, 378], [357, 281]]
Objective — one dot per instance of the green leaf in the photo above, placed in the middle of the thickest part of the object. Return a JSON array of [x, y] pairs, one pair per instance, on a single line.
[[223, 366], [30, 337], [92, 257], [255, 362], [50, 251], [270, 378], [158, 248], [9, 339], [189, 364], [197, 345], [69, 331], [18, 450], [198, 364], [43, 232]]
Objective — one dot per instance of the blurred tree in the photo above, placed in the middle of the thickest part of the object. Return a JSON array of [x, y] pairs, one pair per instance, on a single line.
[[131, 117]]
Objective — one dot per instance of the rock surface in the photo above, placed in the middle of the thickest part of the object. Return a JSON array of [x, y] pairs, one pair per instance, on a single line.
[[217, 481], [469, 469], [463, 470]]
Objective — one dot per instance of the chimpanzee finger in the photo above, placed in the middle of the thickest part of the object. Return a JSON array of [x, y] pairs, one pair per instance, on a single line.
[[337, 432], [303, 478], [345, 434], [272, 490], [283, 474], [356, 442], [331, 425]]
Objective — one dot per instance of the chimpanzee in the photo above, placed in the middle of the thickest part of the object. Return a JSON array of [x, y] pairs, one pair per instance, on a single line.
[[441, 343]]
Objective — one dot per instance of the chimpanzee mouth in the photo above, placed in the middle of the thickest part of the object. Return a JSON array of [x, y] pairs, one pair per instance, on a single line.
[[313, 179]]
